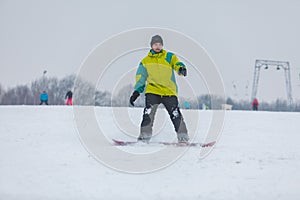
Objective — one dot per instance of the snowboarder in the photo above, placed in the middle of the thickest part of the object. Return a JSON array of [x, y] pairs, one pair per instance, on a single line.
[[44, 98], [155, 75], [255, 104], [69, 98]]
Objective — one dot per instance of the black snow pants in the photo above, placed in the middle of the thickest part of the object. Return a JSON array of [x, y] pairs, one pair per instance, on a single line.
[[152, 101]]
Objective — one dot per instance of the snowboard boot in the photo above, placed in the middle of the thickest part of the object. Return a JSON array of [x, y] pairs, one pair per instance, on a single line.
[[144, 137], [183, 137]]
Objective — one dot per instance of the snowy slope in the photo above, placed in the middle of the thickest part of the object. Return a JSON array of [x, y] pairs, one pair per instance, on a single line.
[[42, 157]]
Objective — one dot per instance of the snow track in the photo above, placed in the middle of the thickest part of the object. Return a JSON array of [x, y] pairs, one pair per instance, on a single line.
[[41, 157]]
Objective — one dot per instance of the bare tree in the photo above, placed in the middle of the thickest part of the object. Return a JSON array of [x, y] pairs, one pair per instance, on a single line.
[[1, 93], [19, 95], [84, 92], [122, 97], [102, 98]]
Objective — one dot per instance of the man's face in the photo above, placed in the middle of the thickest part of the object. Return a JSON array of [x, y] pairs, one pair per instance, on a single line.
[[157, 47]]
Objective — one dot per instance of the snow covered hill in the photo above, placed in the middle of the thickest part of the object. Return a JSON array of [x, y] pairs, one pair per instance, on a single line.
[[43, 157]]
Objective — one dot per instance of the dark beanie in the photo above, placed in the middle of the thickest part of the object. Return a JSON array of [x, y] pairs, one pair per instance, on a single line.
[[156, 39]]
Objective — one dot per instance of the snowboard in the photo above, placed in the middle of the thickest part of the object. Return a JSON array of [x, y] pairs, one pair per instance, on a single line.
[[180, 144]]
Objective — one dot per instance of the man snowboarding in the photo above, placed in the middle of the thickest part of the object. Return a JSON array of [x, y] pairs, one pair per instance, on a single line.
[[155, 75], [44, 98], [69, 98]]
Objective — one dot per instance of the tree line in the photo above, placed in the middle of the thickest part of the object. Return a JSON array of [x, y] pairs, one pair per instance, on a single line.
[[29, 94], [85, 94]]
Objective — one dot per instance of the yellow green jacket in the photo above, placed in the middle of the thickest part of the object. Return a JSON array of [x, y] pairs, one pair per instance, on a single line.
[[155, 74]]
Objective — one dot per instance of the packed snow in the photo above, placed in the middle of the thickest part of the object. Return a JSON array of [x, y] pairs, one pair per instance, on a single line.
[[42, 156]]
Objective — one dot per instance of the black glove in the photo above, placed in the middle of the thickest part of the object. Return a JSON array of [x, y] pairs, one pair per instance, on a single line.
[[182, 71], [133, 97]]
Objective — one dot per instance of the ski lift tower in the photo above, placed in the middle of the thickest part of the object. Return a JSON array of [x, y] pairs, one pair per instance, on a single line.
[[278, 64]]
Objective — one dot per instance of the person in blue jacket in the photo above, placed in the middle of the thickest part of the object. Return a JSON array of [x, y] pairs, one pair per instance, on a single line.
[[44, 98]]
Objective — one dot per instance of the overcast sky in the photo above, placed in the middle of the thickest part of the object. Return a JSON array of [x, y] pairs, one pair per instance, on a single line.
[[58, 35]]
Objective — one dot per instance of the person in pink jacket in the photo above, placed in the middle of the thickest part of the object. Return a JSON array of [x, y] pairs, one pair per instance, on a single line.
[[255, 104]]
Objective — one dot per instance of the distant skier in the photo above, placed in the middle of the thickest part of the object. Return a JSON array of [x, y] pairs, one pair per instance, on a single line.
[[69, 98], [44, 98], [187, 105], [255, 104], [156, 74]]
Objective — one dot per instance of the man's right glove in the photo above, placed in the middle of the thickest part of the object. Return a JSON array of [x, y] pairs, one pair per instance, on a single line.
[[133, 97], [182, 71]]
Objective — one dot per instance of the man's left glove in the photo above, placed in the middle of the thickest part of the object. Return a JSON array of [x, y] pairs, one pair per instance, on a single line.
[[182, 71], [133, 97]]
